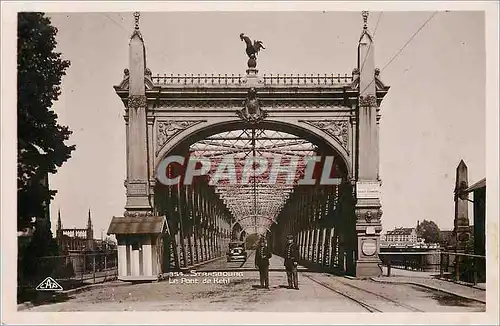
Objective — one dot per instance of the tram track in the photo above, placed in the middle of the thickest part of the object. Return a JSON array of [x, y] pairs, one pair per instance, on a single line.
[[403, 305], [364, 304], [368, 307]]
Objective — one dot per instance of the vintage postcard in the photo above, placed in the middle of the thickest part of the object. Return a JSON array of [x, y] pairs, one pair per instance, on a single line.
[[253, 162]]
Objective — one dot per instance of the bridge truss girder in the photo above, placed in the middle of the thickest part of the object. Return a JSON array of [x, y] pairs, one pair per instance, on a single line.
[[261, 195]]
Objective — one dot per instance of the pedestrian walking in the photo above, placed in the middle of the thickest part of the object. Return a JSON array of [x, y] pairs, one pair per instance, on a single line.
[[291, 263], [262, 256]]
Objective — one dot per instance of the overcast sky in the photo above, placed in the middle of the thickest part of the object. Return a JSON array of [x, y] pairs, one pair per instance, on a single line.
[[433, 115]]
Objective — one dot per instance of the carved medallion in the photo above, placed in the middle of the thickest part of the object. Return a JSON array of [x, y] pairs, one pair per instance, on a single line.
[[165, 130], [338, 129], [369, 247]]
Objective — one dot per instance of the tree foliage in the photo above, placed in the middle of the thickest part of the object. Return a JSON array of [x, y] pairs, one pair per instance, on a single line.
[[41, 140], [429, 231], [42, 244]]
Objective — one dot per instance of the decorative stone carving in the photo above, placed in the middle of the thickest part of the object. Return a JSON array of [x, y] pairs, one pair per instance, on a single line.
[[355, 71], [377, 72], [136, 31], [368, 101], [334, 105], [126, 73], [368, 216], [137, 101], [365, 214], [165, 130], [339, 129], [251, 111], [198, 104], [147, 72]]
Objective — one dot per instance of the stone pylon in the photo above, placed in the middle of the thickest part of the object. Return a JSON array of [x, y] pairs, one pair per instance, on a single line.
[[137, 183], [367, 207], [461, 221]]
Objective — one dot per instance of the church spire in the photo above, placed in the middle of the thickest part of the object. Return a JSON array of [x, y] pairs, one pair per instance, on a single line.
[[59, 223], [89, 221]]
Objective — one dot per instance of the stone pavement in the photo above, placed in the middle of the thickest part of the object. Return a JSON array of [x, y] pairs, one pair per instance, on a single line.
[[401, 276], [319, 292]]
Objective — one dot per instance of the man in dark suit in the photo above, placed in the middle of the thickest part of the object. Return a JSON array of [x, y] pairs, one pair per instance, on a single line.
[[262, 256], [291, 263]]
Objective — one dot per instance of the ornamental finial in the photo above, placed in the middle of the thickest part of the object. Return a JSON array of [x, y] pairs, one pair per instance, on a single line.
[[365, 19], [137, 15]]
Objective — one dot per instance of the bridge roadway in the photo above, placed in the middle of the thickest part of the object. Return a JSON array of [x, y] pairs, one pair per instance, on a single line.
[[319, 292], [275, 264]]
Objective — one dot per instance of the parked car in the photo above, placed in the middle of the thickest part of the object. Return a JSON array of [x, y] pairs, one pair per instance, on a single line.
[[237, 254], [236, 244]]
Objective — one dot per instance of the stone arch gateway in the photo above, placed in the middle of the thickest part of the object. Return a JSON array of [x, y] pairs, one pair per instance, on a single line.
[[162, 111]]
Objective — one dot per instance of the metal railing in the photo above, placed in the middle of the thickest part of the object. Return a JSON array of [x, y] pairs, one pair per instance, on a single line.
[[233, 80], [459, 267], [307, 80], [424, 261], [205, 79], [463, 267], [72, 270]]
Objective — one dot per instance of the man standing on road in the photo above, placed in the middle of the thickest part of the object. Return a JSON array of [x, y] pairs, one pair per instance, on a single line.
[[291, 263], [262, 256]]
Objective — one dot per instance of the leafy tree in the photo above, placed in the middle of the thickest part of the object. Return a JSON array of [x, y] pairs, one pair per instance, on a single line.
[[41, 147], [42, 244], [429, 231], [447, 239]]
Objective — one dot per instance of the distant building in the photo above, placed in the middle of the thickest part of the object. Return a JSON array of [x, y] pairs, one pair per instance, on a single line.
[[75, 239], [402, 235]]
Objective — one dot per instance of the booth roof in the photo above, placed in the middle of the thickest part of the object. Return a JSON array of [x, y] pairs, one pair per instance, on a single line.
[[137, 225]]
